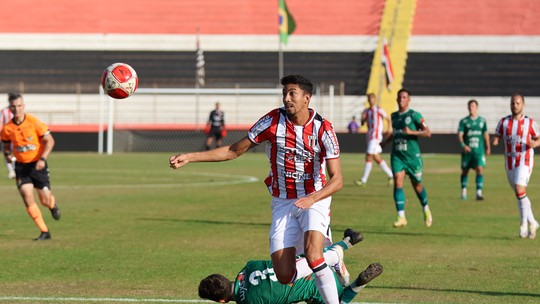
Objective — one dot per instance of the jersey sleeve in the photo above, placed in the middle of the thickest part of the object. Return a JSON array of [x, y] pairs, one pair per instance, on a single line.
[[498, 129], [263, 129], [41, 128], [484, 127], [382, 112], [461, 126], [329, 140], [4, 136], [534, 129], [419, 120]]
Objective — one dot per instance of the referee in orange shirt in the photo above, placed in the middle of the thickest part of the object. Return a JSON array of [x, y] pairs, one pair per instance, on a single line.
[[32, 143]]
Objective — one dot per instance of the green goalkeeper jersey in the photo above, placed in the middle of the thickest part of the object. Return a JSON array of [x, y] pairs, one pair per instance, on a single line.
[[473, 133], [406, 146], [257, 283]]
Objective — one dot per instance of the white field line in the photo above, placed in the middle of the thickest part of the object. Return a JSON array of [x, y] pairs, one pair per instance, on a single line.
[[232, 180]]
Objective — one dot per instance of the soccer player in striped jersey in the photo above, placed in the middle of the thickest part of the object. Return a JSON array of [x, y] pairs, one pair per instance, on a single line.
[[519, 135], [375, 118], [257, 283], [474, 139], [305, 171], [407, 126], [5, 117]]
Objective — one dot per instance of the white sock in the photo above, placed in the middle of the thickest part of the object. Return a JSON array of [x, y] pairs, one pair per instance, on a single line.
[[401, 213], [523, 210], [367, 170], [303, 270], [526, 206], [326, 284], [355, 287], [386, 169]]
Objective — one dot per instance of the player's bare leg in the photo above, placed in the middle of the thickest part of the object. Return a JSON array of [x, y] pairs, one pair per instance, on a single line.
[[48, 200], [27, 194]]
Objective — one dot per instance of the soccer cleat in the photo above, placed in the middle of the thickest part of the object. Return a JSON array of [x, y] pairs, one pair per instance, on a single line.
[[55, 211], [43, 236], [523, 233], [428, 218], [371, 272], [340, 269], [400, 222], [360, 183], [390, 181], [479, 197], [532, 230], [355, 237]]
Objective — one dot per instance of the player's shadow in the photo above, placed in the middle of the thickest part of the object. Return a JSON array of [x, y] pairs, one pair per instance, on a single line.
[[204, 222], [478, 292], [423, 234]]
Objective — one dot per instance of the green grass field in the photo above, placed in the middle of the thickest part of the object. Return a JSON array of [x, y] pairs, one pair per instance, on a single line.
[[134, 229]]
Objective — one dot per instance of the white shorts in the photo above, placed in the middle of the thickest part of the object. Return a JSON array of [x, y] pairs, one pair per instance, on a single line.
[[519, 176], [374, 147], [289, 223]]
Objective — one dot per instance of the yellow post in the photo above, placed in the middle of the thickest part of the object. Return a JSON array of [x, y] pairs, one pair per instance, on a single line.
[[396, 27]]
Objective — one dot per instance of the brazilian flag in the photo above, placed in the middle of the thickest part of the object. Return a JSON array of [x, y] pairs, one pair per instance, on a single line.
[[286, 22]]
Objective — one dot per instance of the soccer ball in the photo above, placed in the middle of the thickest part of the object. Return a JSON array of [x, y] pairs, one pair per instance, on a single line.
[[119, 80]]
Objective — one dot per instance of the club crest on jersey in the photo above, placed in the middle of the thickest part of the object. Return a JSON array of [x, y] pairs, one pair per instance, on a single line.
[[312, 140]]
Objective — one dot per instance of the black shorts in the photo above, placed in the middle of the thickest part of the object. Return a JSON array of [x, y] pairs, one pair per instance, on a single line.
[[27, 174], [215, 132]]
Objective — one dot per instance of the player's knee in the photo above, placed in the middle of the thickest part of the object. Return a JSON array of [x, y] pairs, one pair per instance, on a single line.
[[286, 277]]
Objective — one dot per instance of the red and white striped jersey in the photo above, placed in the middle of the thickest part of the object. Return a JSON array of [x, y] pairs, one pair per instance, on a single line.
[[374, 118], [6, 116], [297, 154], [516, 136]]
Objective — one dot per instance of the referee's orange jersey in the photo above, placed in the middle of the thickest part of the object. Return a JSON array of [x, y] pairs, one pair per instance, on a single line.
[[27, 138]]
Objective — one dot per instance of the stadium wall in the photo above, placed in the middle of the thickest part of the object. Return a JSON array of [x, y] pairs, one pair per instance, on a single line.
[[189, 141]]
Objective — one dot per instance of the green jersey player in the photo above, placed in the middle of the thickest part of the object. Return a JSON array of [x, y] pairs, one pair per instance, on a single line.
[[474, 139], [257, 282], [407, 126]]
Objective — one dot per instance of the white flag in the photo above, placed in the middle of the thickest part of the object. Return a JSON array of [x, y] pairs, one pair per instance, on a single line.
[[199, 64]]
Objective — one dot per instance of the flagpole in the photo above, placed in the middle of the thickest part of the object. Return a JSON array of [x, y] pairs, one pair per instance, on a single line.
[[280, 60], [197, 84]]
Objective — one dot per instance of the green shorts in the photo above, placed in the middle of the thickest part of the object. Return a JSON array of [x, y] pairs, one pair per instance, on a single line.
[[412, 166], [472, 160]]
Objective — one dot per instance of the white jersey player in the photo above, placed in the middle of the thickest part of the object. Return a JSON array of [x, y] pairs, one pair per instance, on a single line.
[[5, 116], [374, 117], [305, 171], [518, 134]]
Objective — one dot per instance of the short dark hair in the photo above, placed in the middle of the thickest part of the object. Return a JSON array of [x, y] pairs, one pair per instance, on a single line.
[[472, 101], [404, 90], [515, 94], [304, 83], [13, 96], [215, 287]]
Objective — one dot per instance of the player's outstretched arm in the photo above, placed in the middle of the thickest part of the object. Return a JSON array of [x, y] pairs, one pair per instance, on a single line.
[[220, 154]]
